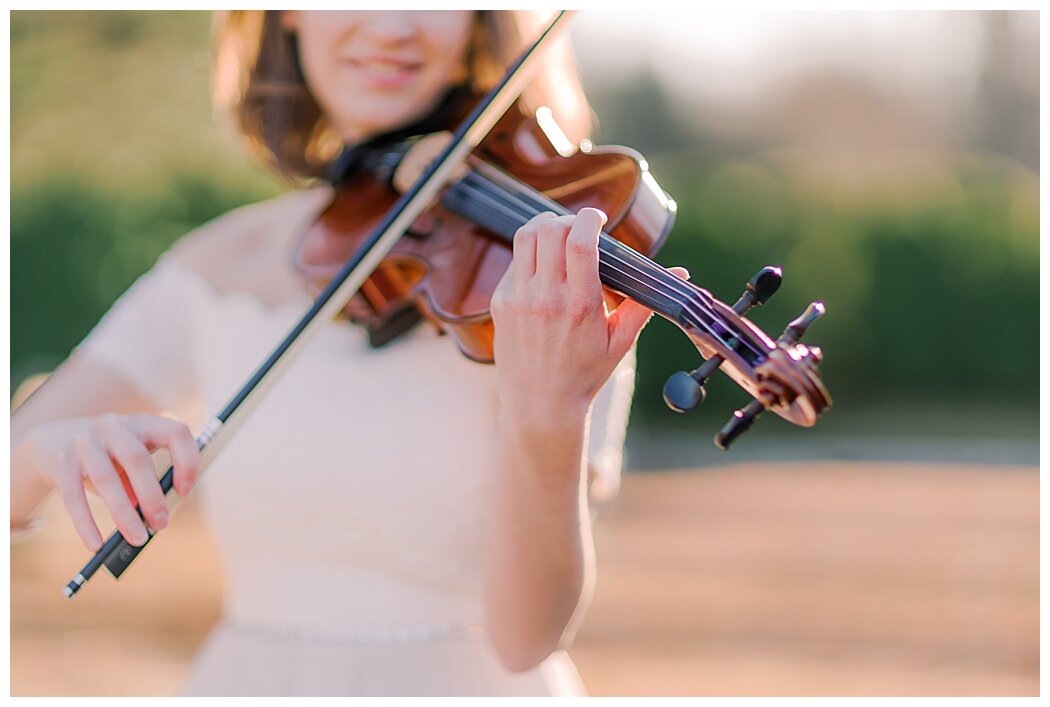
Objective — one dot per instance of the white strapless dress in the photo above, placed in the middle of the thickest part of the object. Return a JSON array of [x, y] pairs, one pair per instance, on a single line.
[[350, 510]]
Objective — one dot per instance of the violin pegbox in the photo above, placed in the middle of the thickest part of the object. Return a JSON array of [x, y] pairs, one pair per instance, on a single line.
[[780, 375]]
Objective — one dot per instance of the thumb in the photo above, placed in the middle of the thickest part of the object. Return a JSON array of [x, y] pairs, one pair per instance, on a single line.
[[627, 321]]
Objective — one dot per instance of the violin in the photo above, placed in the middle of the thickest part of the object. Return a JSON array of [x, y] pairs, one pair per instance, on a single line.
[[423, 228], [446, 267]]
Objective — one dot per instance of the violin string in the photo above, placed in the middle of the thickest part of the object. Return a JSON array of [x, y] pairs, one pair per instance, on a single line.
[[649, 293], [515, 204], [693, 297], [532, 202], [520, 195], [526, 211]]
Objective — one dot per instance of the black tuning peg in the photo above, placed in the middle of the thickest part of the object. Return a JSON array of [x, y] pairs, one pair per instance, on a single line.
[[684, 391], [760, 288], [738, 424]]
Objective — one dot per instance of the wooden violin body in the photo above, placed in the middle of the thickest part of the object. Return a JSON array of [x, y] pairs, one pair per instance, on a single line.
[[447, 266]]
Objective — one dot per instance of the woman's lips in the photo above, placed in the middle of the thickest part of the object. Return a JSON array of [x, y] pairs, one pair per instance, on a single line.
[[381, 72]]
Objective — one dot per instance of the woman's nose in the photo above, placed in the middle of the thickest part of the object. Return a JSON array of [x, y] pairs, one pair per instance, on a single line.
[[390, 26]]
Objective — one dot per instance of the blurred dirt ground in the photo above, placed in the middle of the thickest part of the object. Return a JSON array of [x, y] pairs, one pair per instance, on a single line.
[[835, 578]]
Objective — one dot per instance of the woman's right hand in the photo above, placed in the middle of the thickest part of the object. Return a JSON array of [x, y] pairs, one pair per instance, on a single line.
[[111, 455]]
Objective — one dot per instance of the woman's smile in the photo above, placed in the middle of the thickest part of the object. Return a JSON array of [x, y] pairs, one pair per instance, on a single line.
[[384, 72]]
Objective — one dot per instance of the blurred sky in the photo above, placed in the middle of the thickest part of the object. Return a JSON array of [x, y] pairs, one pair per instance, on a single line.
[[744, 53], [707, 57]]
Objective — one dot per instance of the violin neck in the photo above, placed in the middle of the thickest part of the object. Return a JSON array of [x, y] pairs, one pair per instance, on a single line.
[[633, 275], [502, 205]]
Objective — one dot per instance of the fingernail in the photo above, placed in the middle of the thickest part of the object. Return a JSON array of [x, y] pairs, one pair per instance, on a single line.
[[140, 536], [162, 519]]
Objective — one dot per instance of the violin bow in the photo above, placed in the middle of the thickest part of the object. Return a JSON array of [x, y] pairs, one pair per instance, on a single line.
[[117, 554]]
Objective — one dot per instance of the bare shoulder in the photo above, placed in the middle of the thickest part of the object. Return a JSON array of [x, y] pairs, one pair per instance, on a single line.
[[249, 248]]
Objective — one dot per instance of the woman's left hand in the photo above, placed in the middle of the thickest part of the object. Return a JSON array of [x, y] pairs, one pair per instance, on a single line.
[[555, 341]]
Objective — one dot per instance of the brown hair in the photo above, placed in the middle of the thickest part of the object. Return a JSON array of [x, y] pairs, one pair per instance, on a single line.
[[258, 82]]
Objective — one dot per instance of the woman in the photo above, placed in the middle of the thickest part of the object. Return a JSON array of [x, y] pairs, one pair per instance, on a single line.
[[395, 520]]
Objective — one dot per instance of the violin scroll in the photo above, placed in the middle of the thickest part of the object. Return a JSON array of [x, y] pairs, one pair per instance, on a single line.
[[780, 375]]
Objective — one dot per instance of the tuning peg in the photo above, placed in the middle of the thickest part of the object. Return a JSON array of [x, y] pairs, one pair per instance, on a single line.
[[738, 424], [684, 391], [796, 329], [760, 288]]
